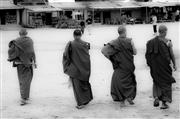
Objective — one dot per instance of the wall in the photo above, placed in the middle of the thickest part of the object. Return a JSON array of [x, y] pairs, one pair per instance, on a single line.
[[115, 14], [24, 17], [136, 13]]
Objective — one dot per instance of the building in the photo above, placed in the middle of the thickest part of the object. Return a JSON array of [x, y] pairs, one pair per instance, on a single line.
[[104, 12], [28, 13], [118, 11], [30, 2], [10, 13], [37, 13]]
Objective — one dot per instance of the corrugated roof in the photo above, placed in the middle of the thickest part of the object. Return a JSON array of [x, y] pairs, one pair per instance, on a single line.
[[42, 8], [8, 4], [69, 5], [103, 5], [93, 5], [110, 4], [128, 4], [158, 4]]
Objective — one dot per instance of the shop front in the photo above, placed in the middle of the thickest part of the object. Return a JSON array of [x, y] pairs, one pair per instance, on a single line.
[[9, 13], [38, 16]]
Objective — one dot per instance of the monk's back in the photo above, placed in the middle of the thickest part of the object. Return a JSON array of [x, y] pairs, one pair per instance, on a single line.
[[81, 58]]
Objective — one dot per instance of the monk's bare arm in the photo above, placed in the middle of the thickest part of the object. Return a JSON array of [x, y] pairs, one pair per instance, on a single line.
[[134, 49], [34, 58], [173, 58]]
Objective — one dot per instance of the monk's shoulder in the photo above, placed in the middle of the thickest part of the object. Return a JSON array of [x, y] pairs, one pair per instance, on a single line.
[[129, 39], [87, 44], [148, 44], [115, 41], [17, 39], [150, 41], [68, 43], [11, 43], [169, 43], [29, 38], [68, 46]]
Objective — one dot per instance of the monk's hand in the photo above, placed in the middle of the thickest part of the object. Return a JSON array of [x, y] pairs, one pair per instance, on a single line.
[[70, 83], [35, 65], [174, 67]]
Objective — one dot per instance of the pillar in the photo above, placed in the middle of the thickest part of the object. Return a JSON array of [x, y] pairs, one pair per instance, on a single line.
[[85, 14], [18, 17], [101, 17]]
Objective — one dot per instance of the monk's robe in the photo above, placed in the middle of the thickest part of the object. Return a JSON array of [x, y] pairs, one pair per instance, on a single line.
[[21, 53], [120, 53], [158, 59], [76, 64]]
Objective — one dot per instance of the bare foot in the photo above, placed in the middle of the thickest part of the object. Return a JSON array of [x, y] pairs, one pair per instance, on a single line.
[[122, 104], [164, 106], [156, 102], [130, 101], [23, 102], [80, 107]]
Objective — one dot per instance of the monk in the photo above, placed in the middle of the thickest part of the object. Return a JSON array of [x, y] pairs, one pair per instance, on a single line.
[[76, 64], [21, 53], [159, 54], [121, 53]]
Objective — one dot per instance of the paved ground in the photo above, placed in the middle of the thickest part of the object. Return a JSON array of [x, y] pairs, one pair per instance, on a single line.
[[50, 95]]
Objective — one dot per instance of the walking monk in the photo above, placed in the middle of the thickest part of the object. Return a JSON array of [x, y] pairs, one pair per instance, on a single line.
[[159, 54], [76, 64], [21, 53], [121, 53]]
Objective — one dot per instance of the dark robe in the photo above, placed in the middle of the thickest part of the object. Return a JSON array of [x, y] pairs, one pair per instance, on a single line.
[[21, 53], [82, 24], [120, 53], [158, 59], [76, 64]]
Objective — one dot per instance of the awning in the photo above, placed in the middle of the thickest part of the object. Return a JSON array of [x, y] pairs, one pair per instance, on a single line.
[[158, 4], [110, 5], [172, 3], [43, 8], [103, 5], [69, 5], [7, 4], [128, 4]]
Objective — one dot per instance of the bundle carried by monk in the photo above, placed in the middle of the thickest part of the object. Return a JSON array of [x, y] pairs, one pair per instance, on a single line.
[[21, 51]]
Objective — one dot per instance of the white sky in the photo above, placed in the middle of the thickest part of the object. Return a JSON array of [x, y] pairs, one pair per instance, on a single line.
[[69, 0], [61, 0], [125, 0]]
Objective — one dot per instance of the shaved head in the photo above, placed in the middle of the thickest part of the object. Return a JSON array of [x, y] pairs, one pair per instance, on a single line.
[[162, 29], [121, 29], [23, 32]]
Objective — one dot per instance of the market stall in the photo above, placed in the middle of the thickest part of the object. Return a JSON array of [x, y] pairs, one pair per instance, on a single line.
[[38, 16]]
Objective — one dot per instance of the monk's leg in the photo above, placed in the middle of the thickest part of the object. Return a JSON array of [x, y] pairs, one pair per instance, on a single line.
[[116, 93], [82, 92], [156, 94], [25, 75], [166, 96]]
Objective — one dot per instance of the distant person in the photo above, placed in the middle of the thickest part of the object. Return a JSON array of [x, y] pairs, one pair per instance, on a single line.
[[76, 64], [82, 24], [21, 53], [177, 14], [159, 54], [154, 22], [121, 53], [124, 19], [89, 20]]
